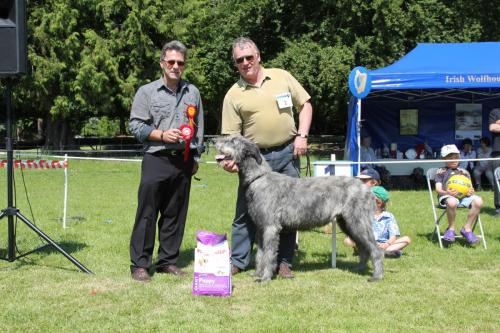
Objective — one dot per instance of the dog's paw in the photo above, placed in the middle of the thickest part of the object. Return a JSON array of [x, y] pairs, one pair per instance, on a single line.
[[374, 279], [360, 268], [253, 274], [261, 280]]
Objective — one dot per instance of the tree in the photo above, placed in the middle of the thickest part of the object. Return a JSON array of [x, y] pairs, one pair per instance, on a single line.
[[88, 57]]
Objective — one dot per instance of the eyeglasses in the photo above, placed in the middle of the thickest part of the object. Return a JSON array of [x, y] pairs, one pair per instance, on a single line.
[[249, 58], [171, 63]]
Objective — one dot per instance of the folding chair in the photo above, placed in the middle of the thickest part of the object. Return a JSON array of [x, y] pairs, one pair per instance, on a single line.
[[430, 175]]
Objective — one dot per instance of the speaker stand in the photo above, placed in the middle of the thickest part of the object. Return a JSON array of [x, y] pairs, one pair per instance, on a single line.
[[12, 211]]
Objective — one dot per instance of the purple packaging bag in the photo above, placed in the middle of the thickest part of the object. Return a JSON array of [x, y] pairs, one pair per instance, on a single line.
[[212, 268]]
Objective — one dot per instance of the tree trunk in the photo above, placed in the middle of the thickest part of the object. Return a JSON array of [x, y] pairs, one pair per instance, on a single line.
[[123, 124], [58, 134]]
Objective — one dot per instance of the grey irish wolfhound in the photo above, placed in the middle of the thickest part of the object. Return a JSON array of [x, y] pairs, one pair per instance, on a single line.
[[276, 202]]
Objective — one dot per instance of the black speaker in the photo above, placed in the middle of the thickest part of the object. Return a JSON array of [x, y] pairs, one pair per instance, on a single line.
[[13, 52]]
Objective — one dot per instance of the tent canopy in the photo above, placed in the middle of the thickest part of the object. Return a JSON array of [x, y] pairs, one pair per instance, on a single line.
[[444, 66], [432, 78]]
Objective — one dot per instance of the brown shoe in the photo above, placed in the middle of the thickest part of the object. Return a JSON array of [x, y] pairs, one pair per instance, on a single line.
[[235, 270], [141, 274], [171, 269], [285, 271]]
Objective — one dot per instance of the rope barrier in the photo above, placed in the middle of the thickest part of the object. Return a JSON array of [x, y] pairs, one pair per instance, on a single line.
[[44, 165], [34, 164]]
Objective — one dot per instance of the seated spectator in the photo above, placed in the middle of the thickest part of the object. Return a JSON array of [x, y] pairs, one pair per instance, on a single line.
[[367, 152], [449, 198], [369, 177], [467, 152], [483, 167], [385, 227]]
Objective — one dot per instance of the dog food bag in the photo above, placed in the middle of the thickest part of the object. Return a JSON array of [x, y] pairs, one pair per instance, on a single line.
[[212, 268]]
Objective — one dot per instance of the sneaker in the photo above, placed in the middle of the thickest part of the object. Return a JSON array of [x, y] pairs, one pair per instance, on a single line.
[[469, 236], [449, 235]]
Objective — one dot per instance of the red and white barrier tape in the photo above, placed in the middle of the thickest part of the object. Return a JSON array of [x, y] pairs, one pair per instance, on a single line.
[[36, 164]]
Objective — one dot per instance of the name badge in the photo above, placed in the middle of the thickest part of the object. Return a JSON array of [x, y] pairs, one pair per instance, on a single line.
[[284, 100]]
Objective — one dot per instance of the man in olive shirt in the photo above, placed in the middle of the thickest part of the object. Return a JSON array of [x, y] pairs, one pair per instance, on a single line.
[[159, 111], [260, 107]]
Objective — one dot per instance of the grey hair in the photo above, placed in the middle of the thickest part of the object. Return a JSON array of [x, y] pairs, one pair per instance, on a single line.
[[176, 46], [241, 42]]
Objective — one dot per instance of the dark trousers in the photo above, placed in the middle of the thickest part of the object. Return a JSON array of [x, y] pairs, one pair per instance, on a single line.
[[243, 228], [164, 191]]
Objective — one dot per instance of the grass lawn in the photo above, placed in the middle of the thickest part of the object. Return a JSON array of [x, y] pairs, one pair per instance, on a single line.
[[427, 290]]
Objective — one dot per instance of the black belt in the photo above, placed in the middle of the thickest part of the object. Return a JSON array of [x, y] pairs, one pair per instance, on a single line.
[[169, 152], [275, 148]]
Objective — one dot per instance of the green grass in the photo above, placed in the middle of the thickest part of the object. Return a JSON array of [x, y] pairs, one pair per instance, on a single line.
[[427, 290]]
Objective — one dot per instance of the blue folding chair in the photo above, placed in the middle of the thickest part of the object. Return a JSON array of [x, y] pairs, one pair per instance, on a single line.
[[431, 175]]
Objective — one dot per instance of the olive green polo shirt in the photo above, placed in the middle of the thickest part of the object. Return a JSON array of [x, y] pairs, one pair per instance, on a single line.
[[254, 111]]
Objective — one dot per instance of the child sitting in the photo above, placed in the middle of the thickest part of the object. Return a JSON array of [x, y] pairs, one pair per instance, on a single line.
[[385, 227], [483, 167], [448, 197], [369, 177]]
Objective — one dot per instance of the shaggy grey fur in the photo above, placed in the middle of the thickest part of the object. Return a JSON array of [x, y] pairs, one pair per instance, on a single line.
[[277, 202]]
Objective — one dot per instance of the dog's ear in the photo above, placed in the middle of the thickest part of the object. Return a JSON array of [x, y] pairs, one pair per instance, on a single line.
[[254, 151], [258, 156]]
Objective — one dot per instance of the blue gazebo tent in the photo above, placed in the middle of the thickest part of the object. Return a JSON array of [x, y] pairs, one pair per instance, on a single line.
[[432, 78]]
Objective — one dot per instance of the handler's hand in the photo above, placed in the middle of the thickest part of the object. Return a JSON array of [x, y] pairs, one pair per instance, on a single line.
[[452, 192], [299, 146], [230, 166], [172, 135]]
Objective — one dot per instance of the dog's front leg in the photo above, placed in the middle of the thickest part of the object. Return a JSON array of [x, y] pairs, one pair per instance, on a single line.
[[258, 256], [267, 260]]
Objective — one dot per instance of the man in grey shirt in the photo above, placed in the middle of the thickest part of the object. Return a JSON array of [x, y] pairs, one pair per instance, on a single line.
[[167, 117]]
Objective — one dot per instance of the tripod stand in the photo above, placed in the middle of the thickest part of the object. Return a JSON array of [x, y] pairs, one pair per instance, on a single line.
[[12, 211]]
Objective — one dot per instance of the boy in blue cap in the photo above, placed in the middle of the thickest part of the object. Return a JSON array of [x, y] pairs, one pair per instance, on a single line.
[[369, 177]]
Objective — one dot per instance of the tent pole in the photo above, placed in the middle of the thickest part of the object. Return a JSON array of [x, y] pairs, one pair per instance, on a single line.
[[359, 134]]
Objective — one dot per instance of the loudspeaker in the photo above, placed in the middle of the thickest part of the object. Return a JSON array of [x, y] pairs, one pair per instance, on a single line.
[[13, 52]]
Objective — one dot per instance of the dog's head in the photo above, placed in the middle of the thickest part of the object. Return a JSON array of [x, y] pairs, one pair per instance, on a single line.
[[236, 148]]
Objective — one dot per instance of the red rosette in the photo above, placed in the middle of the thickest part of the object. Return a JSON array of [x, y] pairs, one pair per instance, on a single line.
[[191, 112], [187, 133]]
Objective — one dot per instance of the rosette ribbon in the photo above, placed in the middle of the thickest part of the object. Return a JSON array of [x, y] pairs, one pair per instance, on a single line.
[[187, 130], [187, 133]]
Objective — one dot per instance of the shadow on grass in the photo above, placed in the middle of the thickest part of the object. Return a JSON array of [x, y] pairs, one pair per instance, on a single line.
[[432, 238], [324, 261], [43, 251], [488, 211], [186, 257]]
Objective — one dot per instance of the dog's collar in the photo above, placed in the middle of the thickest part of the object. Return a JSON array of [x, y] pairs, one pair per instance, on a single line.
[[248, 183]]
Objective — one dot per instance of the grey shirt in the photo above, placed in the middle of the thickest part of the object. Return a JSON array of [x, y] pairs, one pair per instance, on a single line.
[[157, 107]]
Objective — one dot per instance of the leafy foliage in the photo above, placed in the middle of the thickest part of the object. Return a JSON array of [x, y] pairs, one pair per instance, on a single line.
[[88, 57]]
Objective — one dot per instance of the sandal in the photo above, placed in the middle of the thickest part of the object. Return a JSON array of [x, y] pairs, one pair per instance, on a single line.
[[469, 236], [449, 235]]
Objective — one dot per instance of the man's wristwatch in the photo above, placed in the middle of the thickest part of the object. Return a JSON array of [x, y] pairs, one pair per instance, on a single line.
[[302, 135]]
